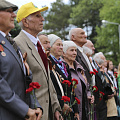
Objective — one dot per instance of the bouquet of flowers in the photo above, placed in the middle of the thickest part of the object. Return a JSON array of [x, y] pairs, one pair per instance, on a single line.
[[67, 99]]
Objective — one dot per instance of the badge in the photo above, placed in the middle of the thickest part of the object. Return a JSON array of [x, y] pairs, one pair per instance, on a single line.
[[3, 42], [3, 53]]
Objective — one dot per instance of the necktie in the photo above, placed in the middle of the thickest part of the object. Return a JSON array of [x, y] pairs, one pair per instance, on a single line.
[[42, 55]]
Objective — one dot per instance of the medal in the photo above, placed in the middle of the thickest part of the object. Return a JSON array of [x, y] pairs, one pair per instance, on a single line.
[[1, 50], [3, 53], [3, 42]]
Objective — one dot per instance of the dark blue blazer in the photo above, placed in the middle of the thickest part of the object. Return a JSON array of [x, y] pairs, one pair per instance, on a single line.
[[14, 102]]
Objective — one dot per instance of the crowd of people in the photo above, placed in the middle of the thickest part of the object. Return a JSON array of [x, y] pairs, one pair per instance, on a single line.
[[43, 77]]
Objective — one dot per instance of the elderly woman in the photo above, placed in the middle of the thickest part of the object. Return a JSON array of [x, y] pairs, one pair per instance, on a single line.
[[77, 72], [59, 73]]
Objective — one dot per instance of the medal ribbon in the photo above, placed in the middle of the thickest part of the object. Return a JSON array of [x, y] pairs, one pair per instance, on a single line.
[[1, 48]]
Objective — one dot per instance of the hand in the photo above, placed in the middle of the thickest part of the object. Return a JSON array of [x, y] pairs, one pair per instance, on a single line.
[[66, 109], [110, 96], [31, 114], [25, 63], [58, 115], [38, 111], [91, 98], [77, 115]]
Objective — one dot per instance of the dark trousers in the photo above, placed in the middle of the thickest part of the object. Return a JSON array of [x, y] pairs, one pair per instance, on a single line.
[[112, 118], [101, 114]]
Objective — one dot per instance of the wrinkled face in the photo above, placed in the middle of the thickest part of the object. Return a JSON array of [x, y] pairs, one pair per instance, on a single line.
[[45, 42], [91, 46], [7, 20], [57, 49], [79, 37], [70, 54], [110, 65], [35, 22], [105, 61]]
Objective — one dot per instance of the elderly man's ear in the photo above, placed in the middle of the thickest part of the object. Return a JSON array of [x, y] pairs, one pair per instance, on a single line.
[[25, 22]]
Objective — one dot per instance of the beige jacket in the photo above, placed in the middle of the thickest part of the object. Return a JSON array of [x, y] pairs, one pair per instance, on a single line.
[[39, 75], [111, 105]]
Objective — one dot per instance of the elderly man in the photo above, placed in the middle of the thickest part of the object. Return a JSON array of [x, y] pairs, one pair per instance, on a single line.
[[111, 111], [13, 78], [30, 19], [44, 41], [90, 45]]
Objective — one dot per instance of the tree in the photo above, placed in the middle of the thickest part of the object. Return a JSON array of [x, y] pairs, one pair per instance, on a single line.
[[86, 14], [107, 35], [14, 32], [57, 19]]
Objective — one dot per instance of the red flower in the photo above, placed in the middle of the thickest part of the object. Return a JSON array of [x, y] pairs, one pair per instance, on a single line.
[[102, 93], [95, 70], [29, 89], [34, 85], [91, 72], [67, 82], [78, 101], [74, 81], [115, 88], [65, 98], [95, 89]]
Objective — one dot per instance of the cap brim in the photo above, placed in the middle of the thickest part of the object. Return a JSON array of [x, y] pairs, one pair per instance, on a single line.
[[43, 9]]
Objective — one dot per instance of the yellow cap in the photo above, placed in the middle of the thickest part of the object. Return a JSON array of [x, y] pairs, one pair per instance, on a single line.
[[27, 9]]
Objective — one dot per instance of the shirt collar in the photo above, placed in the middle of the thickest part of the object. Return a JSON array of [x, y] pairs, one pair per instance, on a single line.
[[80, 48], [4, 33]]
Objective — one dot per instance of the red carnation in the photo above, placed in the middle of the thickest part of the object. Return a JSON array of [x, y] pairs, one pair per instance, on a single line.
[[78, 101], [29, 89], [95, 70], [91, 72], [95, 89], [65, 98], [102, 93], [67, 82], [74, 81], [34, 85]]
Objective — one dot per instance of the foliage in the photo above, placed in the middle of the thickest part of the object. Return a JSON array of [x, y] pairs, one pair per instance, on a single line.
[[57, 19], [107, 35], [14, 32], [86, 14]]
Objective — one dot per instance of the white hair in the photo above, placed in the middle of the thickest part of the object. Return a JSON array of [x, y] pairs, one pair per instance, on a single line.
[[68, 44], [71, 32], [21, 23], [97, 57], [87, 50]]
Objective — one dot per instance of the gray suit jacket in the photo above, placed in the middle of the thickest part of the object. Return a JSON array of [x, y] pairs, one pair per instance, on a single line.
[[12, 84], [46, 93], [80, 59]]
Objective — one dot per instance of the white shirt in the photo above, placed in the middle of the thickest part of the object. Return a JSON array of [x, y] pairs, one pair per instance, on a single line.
[[33, 40]]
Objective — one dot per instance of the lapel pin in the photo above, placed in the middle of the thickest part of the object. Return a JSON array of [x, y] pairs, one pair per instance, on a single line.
[[1, 50], [3, 42]]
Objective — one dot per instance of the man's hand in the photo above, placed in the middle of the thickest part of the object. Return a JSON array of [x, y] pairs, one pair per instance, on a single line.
[[76, 116], [32, 115], [38, 111], [58, 116], [25, 63], [66, 109], [110, 96], [91, 98]]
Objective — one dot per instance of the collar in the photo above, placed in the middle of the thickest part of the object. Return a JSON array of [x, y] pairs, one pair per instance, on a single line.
[[80, 48], [33, 39], [4, 33]]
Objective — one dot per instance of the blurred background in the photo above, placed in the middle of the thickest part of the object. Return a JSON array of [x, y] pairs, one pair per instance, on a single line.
[[99, 18]]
